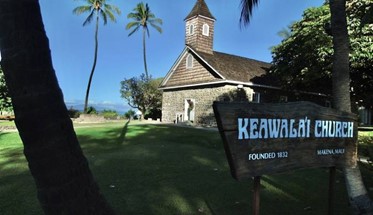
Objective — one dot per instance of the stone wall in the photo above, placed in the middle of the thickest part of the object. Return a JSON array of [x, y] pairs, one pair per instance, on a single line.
[[173, 102]]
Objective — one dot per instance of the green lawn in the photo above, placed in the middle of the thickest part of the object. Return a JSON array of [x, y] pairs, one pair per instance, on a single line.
[[168, 170]]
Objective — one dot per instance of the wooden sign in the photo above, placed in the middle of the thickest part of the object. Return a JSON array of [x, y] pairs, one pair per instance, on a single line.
[[271, 138]]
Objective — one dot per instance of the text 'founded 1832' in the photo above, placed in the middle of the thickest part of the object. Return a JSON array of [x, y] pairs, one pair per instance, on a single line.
[[271, 138]]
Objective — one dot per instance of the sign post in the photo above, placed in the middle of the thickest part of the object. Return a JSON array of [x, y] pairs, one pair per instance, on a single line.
[[273, 138], [256, 195]]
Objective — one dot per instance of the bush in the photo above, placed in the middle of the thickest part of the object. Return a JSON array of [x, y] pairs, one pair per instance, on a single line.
[[91, 110], [109, 114], [154, 113], [365, 146], [73, 113]]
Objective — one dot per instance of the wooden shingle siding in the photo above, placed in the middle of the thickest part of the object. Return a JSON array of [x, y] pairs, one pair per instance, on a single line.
[[191, 39], [197, 40], [184, 76]]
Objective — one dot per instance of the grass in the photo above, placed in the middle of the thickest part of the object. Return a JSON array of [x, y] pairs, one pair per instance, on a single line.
[[6, 123], [168, 170]]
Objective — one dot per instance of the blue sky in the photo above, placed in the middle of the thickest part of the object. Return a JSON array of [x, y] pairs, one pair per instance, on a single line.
[[120, 56]]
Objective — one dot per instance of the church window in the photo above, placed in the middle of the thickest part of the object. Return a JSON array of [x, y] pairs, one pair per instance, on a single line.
[[189, 61], [256, 97], [205, 29], [191, 29]]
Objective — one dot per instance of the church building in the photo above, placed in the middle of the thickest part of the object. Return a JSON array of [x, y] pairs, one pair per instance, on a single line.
[[201, 75]]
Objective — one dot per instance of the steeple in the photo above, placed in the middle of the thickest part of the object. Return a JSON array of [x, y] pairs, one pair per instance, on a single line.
[[199, 28], [200, 9]]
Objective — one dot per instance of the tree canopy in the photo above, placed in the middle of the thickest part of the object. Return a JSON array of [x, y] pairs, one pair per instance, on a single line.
[[143, 17], [5, 100], [101, 9], [142, 93], [303, 61]]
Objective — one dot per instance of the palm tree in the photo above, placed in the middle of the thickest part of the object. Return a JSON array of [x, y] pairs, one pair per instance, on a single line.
[[359, 199], [98, 8], [63, 180], [143, 17]]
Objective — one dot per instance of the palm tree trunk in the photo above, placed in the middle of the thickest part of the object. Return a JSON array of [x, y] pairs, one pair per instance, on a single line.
[[358, 197], [64, 182], [93, 67], [144, 51]]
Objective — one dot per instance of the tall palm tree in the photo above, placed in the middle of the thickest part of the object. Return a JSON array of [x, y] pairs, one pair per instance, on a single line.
[[63, 180], [358, 197], [98, 8], [143, 17]]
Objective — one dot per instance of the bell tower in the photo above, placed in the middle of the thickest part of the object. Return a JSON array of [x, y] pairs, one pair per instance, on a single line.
[[199, 28]]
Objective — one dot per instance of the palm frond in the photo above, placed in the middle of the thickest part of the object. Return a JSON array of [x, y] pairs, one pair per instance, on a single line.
[[89, 18], [82, 9], [104, 10], [104, 16], [156, 21], [134, 30], [143, 17], [132, 24], [151, 15], [110, 15], [112, 8], [247, 11], [158, 28], [134, 16]]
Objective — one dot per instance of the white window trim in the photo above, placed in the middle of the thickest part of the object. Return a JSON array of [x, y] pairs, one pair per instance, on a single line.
[[205, 29], [189, 65], [283, 99], [256, 97], [191, 29]]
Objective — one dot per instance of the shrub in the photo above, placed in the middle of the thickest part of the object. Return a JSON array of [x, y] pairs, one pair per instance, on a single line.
[[109, 114], [73, 113], [365, 146], [91, 110]]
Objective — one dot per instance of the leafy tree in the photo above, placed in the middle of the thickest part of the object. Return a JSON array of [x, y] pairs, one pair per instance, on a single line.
[[130, 114], [5, 100], [358, 197], [143, 17], [64, 182], [97, 8], [142, 93], [368, 16], [303, 61]]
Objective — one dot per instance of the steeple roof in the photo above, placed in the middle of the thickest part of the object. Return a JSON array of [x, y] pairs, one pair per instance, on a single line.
[[200, 9]]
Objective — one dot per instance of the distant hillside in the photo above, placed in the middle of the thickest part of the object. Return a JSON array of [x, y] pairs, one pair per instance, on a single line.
[[120, 108]]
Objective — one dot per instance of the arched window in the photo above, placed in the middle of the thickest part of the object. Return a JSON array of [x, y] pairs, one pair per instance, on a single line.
[[189, 61], [191, 29], [205, 29]]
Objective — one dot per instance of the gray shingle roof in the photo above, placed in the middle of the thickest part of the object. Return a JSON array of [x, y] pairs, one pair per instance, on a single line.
[[236, 68], [200, 9]]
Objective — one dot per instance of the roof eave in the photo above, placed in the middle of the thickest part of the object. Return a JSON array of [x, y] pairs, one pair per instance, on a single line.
[[226, 82]]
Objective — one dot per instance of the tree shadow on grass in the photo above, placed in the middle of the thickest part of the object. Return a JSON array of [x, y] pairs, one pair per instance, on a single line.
[[17, 187], [162, 170], [158, 169], [123, 133]]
